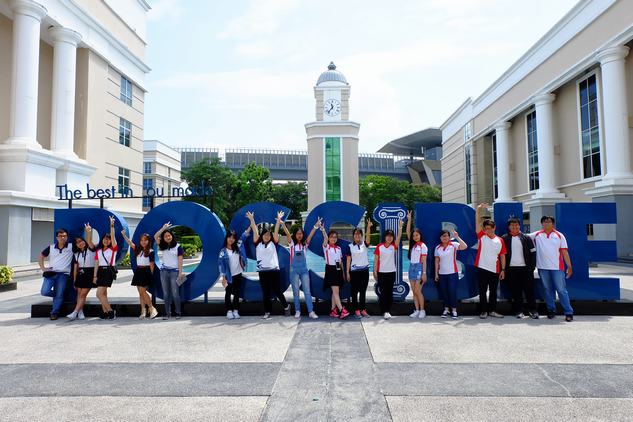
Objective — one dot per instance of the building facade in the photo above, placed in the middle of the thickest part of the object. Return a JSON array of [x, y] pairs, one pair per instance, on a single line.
[[332, 143], [71, 111], [161, 173], [556, 126]]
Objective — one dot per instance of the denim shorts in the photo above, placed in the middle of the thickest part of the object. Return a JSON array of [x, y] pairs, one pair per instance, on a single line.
[[415, 272]]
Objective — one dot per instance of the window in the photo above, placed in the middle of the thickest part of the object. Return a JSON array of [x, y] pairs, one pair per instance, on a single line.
[[147, 167], [589, 127], [532, 149], [467, 165], [124, 181], [125, 131], [126, 91], [147, 184], [495, 184], [332, 169]]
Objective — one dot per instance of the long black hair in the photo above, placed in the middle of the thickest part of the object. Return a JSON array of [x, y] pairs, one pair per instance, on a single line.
[[360, 231], [76, 249], [105, 236], [411, 242], [443, 232], [294, 237], [234, 246], [261, 236], [163, 243]]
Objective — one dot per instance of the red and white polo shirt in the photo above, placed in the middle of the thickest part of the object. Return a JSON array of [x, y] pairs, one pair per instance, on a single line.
[[387, 254], [419, 251], [448, 258], [333, 254], [488, 251], [548, 249]]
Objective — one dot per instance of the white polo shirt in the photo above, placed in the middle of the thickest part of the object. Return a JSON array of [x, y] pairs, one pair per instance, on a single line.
[[144, 261], [59, 259], [105, 257], [387, 256], [517, 259], [548, 249], [266, 255], [85, 259], [169, 258], [332, 254], [419, 253], [448, 258], [488, 251], [235, 264], [360, 260]]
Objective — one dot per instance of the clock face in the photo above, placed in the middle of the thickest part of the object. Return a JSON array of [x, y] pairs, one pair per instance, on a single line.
[[332, 107]]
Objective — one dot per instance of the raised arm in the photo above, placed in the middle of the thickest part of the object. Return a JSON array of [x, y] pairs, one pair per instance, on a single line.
[[478, 226], [112, 234], [409, 218], [160, 231], [287, 232], [251, 218], [313, 231], [325, 240], [127, 239], [368, 232], [88, 235], [278, 222], [400, 226], [462, 244]]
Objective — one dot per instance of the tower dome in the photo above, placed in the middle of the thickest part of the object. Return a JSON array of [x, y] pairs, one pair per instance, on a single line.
[[332, 75]]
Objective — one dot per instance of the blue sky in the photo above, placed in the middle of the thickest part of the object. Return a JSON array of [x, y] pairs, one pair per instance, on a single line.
[[240, 73]]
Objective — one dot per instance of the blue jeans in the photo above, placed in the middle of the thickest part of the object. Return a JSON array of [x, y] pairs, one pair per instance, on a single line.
[[448, 288], [54, 287], [171, 290], [301, 280], [555, 280]]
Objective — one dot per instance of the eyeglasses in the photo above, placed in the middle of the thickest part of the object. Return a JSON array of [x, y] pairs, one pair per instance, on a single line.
[[62, 235]]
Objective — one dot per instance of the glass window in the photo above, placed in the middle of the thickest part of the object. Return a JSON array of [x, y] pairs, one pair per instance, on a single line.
[[147, 167], [126, 91], [124, 181], [495, 185], [147, 184], [332, 169], [532, 149], [125, 132], [467, 165], [589, 127]]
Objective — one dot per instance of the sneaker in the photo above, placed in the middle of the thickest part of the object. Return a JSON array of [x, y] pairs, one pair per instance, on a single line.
[[81, 315], [364, 314], [454, 315], [112, 314], [142, 316], [569, 318], [166, 317], [298, 314], [178, 316], [495, 314], [520, 315], [153, 313], [445, 313], [386, 315], [344, 313], [334, 314], [266, 315], [483, 315], [357, 314], [551, 315], [236, 315], [72, 316], [313, 315], [103, 315], [229, 315], [534, 315], [415, 314], [287, 310], [54, 317], [422, 314]]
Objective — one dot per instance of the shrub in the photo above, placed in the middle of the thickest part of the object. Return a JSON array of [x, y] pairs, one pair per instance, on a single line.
[[192, 240], [125, 262], [189, 251], [6, 274]]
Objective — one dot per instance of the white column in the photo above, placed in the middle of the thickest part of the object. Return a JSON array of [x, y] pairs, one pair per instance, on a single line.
[[27, 16], [616, 114], [502, 131], [63, 105], [545, 142]]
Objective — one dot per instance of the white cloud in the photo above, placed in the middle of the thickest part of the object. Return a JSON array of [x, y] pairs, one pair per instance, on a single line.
[[262, 17]]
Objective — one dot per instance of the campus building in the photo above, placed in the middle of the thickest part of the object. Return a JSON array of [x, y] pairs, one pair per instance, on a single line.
[[161, 173], [556, 126], [71, 111]]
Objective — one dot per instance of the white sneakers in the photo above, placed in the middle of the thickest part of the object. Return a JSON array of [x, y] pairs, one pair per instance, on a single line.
[[297, 314], [386, 315], [153, 313], [266, 315], [415, 314], [313, 315], [81, 315], [422, 314], [236, 315], [72, 316], [229, 315]]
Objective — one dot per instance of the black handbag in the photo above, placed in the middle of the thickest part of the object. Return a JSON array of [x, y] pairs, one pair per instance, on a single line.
[[113, 270], [49, 274]]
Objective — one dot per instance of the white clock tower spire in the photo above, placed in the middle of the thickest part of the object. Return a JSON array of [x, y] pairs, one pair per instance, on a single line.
[[332, 143]]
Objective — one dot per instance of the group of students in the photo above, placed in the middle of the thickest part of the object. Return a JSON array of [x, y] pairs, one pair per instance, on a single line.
[[511, 258]]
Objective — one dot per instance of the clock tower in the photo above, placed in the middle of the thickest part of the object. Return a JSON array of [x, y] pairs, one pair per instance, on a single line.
[[332, 143]]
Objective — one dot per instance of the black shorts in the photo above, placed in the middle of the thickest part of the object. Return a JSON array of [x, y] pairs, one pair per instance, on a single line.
[[142, 277], [104, 277], [333, 277], [84, 278]]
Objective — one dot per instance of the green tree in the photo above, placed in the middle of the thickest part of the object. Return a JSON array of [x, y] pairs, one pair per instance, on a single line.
[[221, 179], [375, 189], [292, 195], [253, 184]]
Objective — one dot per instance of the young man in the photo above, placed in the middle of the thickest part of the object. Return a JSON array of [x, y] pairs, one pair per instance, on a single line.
[[551, 250], [57, 275], [490, 263], [520, 264]]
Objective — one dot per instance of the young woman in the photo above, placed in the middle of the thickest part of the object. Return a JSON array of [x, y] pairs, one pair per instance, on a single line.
[[417, 267], [446, 272], [358, 269], [334, 277], [105, 270], [142, 278], [385, 268], [83, 270], [268, 264], [299, 275], [171, 269], [232, 261]]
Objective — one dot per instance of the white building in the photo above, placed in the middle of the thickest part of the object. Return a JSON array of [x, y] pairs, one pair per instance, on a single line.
[[161, 172], [556, 126], [71, 110]]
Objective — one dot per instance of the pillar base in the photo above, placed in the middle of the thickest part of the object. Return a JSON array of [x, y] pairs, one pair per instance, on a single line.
[[29, 170], [74, 173], [25, 142], [541, 204], [620, 192]]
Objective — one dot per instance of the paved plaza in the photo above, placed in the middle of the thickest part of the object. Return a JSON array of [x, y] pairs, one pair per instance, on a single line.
[[211, 369]]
